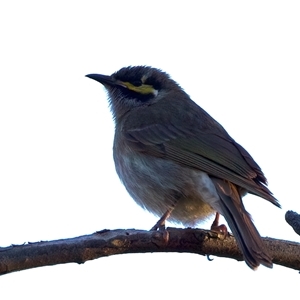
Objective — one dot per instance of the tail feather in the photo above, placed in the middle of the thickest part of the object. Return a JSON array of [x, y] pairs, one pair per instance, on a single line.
[[239, 221]]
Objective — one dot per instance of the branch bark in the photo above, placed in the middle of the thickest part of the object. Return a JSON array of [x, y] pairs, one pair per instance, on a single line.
[[111, 242]]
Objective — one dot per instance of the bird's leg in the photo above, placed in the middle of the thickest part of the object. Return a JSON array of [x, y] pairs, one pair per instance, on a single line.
[[160, 224], [219, 228]]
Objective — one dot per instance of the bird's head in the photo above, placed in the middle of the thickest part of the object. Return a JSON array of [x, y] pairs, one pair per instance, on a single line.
[[132, 87]]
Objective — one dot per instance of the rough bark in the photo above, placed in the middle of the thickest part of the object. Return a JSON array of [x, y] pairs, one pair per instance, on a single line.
[[111, 242]]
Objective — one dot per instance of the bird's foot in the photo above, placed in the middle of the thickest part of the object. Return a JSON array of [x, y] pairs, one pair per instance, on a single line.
[[161, 226], [222, 229]]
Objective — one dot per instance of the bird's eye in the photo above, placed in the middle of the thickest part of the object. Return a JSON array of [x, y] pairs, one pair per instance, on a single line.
[[137, 83]]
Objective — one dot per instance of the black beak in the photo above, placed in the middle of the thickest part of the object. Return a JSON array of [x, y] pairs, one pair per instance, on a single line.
[[104, 79]]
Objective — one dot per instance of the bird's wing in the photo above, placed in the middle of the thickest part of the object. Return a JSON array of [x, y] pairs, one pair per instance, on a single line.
[[216, 154]]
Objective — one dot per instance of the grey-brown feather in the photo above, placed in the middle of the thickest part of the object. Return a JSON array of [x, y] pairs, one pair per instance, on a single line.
[[240, 222]]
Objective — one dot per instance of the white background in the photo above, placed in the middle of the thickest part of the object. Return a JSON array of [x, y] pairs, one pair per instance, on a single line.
[[239, 60]]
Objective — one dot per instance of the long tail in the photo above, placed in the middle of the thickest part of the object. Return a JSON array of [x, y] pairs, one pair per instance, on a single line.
[[240, 223]]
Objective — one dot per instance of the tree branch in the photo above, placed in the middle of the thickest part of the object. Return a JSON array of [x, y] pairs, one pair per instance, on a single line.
[[110, 242], [293, 219]]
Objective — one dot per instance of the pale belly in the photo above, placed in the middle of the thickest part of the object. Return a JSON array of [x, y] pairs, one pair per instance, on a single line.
[[157, 184]]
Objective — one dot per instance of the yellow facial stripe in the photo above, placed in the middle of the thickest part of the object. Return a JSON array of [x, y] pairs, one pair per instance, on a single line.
[[144, 89]]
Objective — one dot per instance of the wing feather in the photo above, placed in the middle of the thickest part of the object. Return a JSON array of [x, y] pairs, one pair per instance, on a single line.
[[219, 156]]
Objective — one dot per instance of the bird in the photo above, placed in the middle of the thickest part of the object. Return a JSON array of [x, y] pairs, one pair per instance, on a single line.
[[178, 162]]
